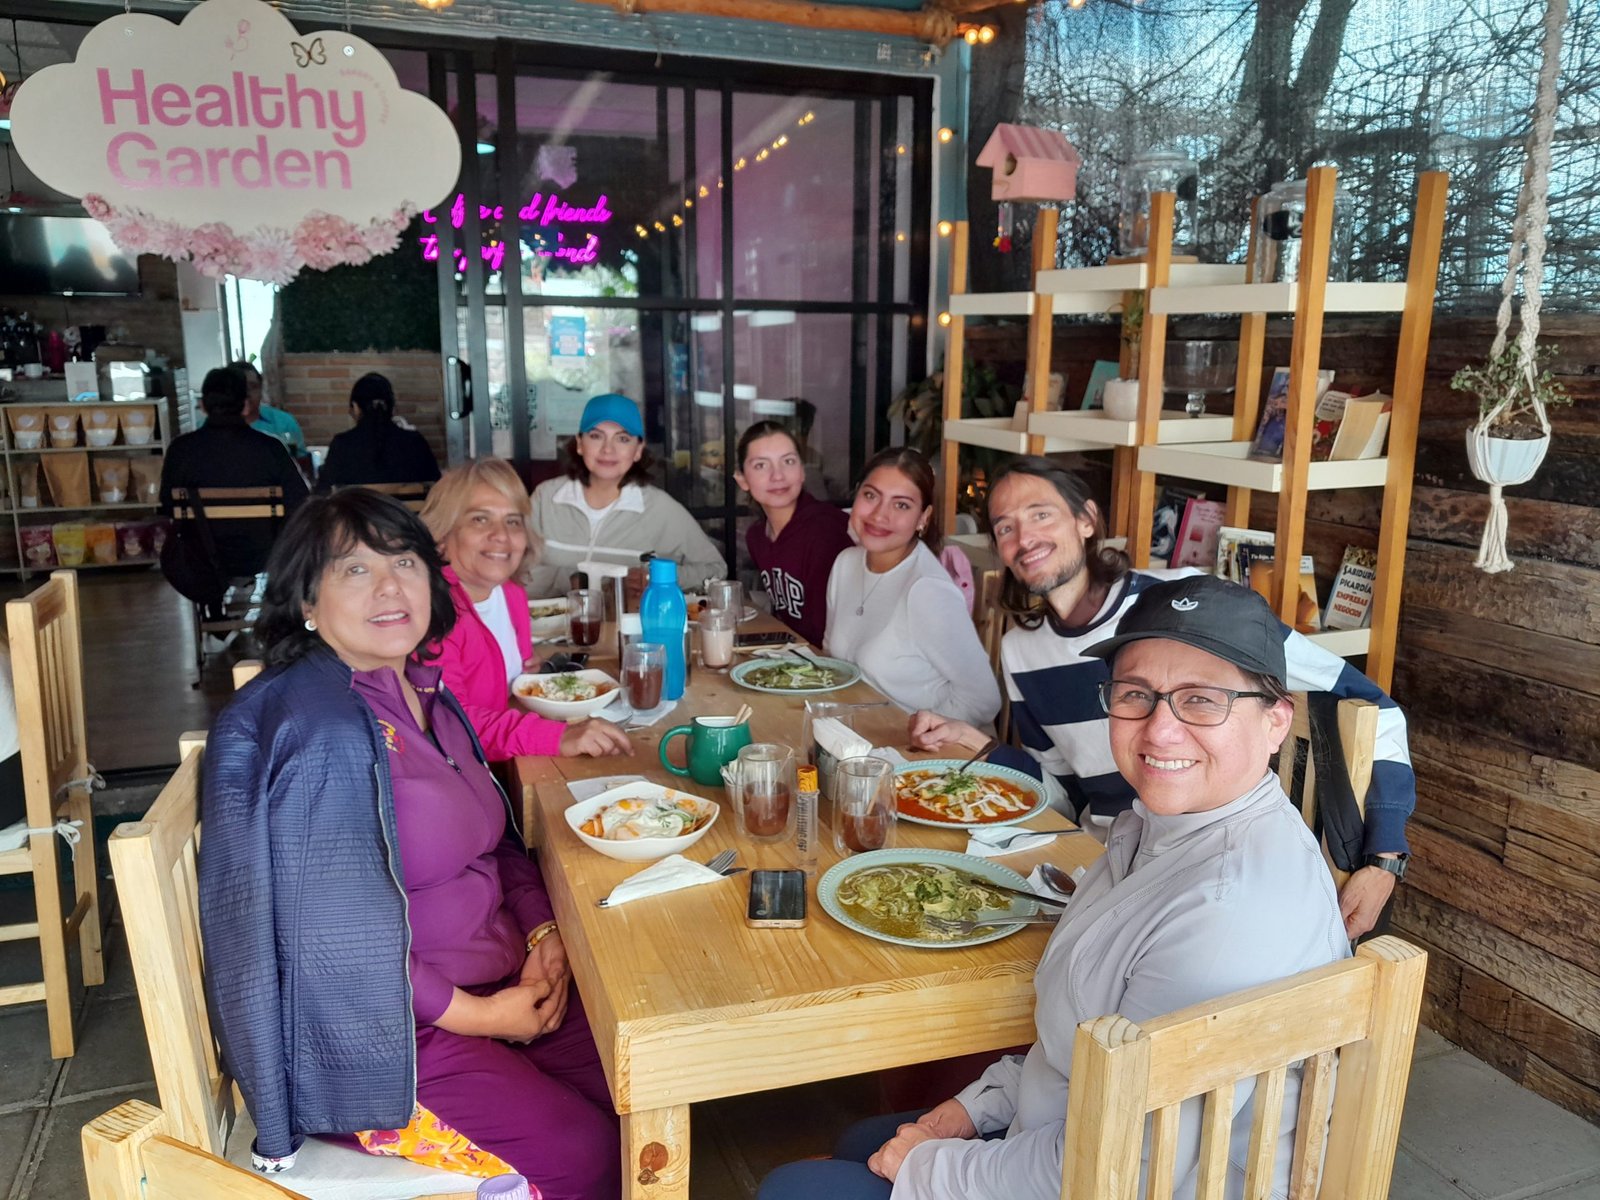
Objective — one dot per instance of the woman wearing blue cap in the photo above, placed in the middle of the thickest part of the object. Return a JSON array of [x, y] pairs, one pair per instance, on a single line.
[[607, 510]]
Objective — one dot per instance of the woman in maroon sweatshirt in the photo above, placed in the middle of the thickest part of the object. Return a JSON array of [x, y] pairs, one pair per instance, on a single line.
[[794, 542]]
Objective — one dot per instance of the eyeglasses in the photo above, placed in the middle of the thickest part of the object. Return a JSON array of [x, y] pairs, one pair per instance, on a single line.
[[1192, 705]]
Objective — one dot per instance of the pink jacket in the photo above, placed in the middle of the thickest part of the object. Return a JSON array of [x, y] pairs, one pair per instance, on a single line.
[[475, 670]]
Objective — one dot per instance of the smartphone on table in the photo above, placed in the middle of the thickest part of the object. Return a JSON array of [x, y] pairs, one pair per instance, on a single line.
[[777, 900], [772, 637]]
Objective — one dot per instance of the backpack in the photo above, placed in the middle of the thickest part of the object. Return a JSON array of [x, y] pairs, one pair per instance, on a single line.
[[189, 560], [959, 567]]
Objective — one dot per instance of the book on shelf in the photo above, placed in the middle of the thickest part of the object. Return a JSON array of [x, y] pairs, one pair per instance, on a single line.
[[1168, 515], [1096, 387], [1350, 600], [1260, 564], [1350, 427], [1268, 444], [1229, 539], [1197, 534]]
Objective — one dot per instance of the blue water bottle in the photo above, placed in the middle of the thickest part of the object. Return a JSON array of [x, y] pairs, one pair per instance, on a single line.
[[664, 620]]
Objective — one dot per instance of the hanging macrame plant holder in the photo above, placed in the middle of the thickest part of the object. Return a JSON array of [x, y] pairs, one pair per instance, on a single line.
[[1504, 462]]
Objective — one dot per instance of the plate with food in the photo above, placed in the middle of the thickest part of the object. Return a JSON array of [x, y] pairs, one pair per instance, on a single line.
[[640, 821], [569, 696], [888, 894], [932, 792], [796, 676], [548, 617]]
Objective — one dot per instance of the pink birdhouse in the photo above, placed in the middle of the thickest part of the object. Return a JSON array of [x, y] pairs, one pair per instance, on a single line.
[[1030, 164]]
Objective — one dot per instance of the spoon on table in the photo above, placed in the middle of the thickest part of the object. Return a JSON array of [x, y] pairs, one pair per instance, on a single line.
[[1058, 879]]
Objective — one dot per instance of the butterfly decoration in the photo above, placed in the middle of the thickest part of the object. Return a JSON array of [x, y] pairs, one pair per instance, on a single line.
[[304, 56], [239, 43]]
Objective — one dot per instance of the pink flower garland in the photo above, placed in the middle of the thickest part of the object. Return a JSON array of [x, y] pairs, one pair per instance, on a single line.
[[320, 241]]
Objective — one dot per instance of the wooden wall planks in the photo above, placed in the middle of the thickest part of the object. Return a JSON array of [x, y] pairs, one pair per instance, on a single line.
[[1500, 679]]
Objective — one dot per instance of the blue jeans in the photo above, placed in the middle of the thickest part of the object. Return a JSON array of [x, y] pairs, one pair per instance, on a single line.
[[845, 1175]]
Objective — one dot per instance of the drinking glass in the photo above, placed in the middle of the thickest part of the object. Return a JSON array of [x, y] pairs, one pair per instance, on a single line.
[[863, 805], [726, 594], [717, 626], [764, 797], [644, 666], [824, 762], [586, 612]]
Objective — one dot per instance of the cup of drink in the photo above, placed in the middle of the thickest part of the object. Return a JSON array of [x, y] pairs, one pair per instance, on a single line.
[[586, 612], [726, 594], [761, 782], [863, 805], [717, 626], [644, 665]]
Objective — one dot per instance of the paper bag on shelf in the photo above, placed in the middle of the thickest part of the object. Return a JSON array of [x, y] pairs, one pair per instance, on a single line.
[[68, 475]]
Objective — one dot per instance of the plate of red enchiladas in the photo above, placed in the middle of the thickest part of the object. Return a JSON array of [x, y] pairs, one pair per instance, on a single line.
[[933, 792]]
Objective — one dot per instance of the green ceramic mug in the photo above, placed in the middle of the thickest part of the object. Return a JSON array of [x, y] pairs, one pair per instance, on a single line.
[[713, 741]]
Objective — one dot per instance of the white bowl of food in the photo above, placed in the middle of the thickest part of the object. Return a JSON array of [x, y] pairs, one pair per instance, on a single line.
[[641, 822], [569, 696], [547, 618]]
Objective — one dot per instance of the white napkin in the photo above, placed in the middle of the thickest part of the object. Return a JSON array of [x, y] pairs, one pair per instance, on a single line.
[[783, 651], [1005, 839], [1037, 883], [671, 874], [889, 754], [838, 739], [620, 712], [587, 789]]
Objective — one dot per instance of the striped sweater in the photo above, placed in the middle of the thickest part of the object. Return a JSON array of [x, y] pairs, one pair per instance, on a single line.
[[1056, 711]]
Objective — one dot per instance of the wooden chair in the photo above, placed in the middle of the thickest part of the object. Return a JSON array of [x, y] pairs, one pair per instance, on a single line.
[[1297, 761], [47, 672], [198, 1142], [412, 495], [1360, 1013], [226, 504]]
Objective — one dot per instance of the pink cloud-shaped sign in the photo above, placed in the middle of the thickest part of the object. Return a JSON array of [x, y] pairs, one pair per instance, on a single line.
[[236, 141]]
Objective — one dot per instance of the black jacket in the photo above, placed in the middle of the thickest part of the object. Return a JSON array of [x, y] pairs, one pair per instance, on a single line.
[[377, 451], [225, 452]]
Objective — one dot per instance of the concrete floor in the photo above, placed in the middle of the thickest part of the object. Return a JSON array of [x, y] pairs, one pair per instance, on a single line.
[[1468, 1131]]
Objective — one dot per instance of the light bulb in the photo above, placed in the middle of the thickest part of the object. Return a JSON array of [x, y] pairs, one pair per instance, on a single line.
[[947, 134], [946, 228], [972, 36], [986, 34], [944, 318]]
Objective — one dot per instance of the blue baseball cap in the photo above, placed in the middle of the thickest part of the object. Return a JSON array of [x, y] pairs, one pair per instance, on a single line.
[[617, 409]]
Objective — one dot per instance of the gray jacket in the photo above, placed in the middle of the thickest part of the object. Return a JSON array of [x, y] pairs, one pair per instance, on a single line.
[[1179, 910], [643, 518]]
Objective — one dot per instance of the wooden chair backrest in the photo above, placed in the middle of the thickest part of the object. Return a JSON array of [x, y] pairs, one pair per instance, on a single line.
[[1361, 1012], [229, 503], [245, 670], [153, 861], [412, 495], [1358, 739], [47, 669]]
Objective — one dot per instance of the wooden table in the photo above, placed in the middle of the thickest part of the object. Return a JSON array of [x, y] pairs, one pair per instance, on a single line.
[[688, 1003]]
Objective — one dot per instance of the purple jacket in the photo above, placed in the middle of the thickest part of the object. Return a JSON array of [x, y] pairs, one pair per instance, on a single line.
[[795, 567]]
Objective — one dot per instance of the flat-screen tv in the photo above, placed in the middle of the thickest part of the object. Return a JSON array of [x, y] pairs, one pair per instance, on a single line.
[[53, 256]]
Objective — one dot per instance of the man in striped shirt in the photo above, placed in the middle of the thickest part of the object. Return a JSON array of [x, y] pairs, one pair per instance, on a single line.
[[1046, 531]]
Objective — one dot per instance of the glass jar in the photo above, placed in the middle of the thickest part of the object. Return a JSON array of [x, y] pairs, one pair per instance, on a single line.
[[1281, 218], [1158, 171]]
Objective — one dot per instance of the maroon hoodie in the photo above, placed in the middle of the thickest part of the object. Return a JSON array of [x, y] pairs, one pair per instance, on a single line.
[[794, 567]]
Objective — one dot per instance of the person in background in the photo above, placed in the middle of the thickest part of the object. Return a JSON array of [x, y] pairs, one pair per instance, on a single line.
[[263, 418], [892, 608], [13, 802], [1211, 883], [226, 452], [478, 515], [398, 977], [1047, 532], [377, 450], [606, 509], [797, 537]]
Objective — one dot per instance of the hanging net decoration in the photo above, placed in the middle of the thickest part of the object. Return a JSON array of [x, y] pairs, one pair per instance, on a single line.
[[1502, 462]]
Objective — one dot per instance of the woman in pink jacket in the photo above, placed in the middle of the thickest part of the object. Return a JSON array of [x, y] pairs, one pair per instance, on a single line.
[[478, 513]]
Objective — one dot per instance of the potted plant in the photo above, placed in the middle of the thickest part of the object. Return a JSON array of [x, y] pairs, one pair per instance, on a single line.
[[1120, 399], [1512, 435]]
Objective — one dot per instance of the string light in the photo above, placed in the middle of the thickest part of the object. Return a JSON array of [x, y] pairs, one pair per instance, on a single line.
[[974, 34], [944, 318], [947, 134], [899, 235], [900, 149], [986, 32], [946, 228]]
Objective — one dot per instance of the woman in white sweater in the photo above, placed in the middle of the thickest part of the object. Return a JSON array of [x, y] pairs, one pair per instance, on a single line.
[[1210, 884], [892, 609]]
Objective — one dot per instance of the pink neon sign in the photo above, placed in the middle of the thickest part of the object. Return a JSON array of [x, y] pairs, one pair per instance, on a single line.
[[541, 209]]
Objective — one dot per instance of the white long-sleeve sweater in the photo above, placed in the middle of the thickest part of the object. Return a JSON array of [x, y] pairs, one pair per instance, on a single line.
[[1179, 910]]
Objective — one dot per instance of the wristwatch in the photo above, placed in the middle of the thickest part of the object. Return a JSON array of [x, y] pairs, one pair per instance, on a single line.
[[1396, 866]]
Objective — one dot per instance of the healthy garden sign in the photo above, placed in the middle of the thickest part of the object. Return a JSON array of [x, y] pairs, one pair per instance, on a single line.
[[236, 143]]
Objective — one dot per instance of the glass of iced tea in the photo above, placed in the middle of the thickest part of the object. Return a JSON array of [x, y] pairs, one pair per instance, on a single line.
[[644, 665], [763, 792], [863, 805], [586, 612]]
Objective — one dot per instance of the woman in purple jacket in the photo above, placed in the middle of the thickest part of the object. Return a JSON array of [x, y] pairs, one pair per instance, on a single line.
[[796, 538], [506, 1076], [478, 514]]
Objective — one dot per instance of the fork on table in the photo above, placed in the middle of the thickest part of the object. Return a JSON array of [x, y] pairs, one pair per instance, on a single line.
[[962, 928], [723, 861]]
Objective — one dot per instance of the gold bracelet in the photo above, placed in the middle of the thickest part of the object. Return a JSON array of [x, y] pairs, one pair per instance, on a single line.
[[539, 934]]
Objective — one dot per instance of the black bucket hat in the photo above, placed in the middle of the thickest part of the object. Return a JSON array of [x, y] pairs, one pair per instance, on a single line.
[[1221, 618]]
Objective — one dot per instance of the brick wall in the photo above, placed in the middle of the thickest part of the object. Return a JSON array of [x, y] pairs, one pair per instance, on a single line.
[[315, 388]]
